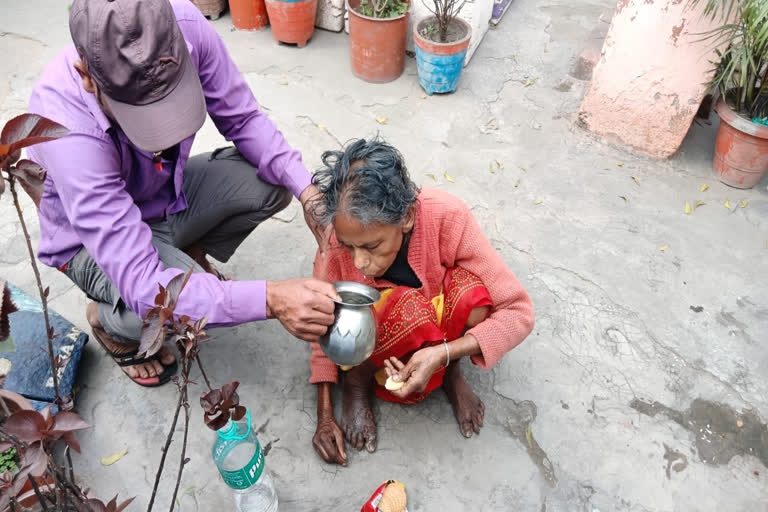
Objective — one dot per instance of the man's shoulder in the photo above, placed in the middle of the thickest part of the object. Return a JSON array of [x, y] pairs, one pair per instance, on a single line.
[[59, 96]]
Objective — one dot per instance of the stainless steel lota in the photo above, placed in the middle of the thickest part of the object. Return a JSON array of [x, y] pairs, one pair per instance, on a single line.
[[351, 338]]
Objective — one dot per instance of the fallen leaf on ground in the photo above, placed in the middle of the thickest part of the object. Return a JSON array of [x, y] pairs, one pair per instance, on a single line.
[[663, 248], [743, 203], [517, 183], [529, 82], [538, 201], [626, 201], [619, 164], [529, 436], [283, 83], [444, 144], [448, 177], [523, 168], [434, 178], [108, 461], [728, 204], [382, 120], [501, 165], [491, 168], [423, 96], [704, 187], [637, 181], [321, 127], [698, 203], [688, 208]]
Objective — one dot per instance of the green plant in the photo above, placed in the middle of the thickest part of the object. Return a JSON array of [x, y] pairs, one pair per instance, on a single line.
[[9, 460], [445, 12], [383, 8], [741, 73]]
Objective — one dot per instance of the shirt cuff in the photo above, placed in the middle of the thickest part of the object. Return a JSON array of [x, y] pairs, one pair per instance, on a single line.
[[248, 301], [299, 179]]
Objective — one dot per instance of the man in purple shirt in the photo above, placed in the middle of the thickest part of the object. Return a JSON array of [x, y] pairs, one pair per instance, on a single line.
[[124, 206]]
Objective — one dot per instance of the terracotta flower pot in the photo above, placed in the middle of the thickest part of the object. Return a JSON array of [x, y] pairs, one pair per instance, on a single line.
[[293, 21], [248, 14], [440, 64], [741, 149], [377, 46], [211, 8]]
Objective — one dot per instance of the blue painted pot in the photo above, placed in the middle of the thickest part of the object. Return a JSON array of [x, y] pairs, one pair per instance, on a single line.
[[440, 64]]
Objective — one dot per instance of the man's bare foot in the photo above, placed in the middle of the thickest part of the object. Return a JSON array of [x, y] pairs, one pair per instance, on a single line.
[[143, 370], [467, 407], [357, 420]]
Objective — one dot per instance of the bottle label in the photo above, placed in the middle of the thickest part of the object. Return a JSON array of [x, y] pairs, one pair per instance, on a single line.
[[248, 475]]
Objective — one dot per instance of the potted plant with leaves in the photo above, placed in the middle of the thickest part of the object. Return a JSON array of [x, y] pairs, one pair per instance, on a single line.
[[293, 21], [441, 42], [377, 37], [30, 473], [741, 78]]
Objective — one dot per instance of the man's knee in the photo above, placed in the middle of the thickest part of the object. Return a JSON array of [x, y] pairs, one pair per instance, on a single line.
[[477, 315], [279, 200]]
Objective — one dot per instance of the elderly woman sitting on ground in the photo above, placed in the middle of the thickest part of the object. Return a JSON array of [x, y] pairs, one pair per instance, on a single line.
[[446, 293]]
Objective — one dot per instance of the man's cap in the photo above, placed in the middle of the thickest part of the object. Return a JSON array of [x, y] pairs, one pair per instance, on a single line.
[[138, 58]]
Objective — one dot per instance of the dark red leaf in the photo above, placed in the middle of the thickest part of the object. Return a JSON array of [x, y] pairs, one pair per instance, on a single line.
[[124, 504], [152, 336], [217, 422], [4, 445], [184, 319], [239, 413], [229, 388], [29, 129], [200, 324], [37, 459], [96, 505], [32, 179], [112, 505], [176, 285], [6, 308], [68, 422], [2, 184], [160, 297], [70, 439], [210, 401], [7, 158], [27, 426]]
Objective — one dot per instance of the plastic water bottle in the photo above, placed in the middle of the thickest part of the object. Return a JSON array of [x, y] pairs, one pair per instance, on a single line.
[[240, 459]]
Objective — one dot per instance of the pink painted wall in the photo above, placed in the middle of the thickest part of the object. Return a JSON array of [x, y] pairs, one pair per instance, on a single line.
[[650, 79]]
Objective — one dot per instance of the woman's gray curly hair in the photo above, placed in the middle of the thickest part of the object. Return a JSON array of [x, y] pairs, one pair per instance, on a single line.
[[367, 181]]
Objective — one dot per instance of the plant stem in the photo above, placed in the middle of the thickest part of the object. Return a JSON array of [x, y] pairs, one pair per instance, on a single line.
[[38, 494], [165, 453], [68, 455], [205, 377], [43, 298], [5, 408], [182, 460]]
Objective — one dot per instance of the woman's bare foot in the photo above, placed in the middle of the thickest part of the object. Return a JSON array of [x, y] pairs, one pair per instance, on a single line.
[[145, 370], [357, 420], [467, 407]]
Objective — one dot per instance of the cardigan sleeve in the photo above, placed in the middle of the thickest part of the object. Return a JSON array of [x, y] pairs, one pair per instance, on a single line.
[[511, 319], [323, 369]]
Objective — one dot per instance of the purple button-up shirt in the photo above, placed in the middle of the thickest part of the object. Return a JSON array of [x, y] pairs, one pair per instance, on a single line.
[[101, 198]]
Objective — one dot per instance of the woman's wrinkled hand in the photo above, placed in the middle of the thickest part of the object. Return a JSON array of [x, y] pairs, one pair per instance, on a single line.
[[328, 441], [417, 372]]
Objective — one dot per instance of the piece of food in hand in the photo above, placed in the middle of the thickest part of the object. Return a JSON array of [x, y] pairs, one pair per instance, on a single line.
[[393, 499], [392, 385]]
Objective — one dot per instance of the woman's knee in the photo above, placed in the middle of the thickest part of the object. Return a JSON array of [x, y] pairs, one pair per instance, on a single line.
[[477, 315]]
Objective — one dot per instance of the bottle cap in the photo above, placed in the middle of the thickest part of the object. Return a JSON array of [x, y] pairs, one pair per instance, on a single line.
[[229, 431]]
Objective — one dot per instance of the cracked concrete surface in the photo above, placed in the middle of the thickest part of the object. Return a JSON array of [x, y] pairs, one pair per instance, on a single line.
[[619, 322]]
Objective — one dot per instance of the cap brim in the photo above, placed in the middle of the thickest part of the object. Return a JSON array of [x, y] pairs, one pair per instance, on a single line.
[[166, 122]]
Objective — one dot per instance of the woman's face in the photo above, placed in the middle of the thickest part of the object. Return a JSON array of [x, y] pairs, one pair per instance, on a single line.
[[374, 247]]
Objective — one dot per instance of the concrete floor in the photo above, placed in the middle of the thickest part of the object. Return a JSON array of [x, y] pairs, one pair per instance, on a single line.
[[632, 394]]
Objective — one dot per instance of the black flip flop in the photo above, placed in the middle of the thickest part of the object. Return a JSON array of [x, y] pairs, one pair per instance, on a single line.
[[129, 359]]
